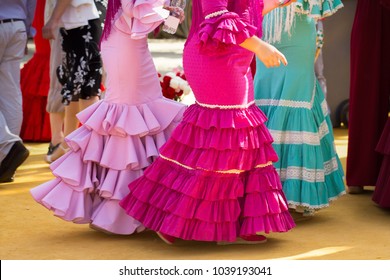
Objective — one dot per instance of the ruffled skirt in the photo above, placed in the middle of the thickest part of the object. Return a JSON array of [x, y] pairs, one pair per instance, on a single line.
[[106, 153], [214, 180], [309, 167], [298, 119], [34, 84]]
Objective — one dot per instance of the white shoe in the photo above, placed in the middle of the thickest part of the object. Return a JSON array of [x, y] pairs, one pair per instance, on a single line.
[[55, 152]]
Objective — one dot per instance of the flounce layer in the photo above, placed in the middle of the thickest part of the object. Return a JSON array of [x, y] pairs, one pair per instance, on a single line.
[[106, 153], [139, 17], [34, 85], [208, 206], [217, 33], [208, 118], [318, 8], [308, 181], [221, 139]]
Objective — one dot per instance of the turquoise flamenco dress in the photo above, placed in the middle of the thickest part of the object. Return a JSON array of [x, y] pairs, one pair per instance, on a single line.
[[298, 116]]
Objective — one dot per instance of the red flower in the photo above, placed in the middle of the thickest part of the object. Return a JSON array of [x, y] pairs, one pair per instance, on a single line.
[[172, 91]]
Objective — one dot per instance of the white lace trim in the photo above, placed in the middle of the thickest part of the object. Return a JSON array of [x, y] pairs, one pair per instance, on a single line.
[[215, 14], [325, 108], [284, 103], [295, 137], [300, 173], [300, 137], [302, 207], [288, 103], [331, 166], [244, 106], [308, 175], [323, 130], [231, 171]]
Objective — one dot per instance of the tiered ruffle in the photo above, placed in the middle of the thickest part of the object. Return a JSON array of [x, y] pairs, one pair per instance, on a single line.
[[34, 84], [200, 189], [112, 147], [381, 194], [309, 167], [318, 8], [140, 17], [216, 33]]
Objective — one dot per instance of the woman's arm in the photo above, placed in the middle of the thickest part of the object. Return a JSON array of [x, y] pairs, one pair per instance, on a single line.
[[50, 30], [267, 53]]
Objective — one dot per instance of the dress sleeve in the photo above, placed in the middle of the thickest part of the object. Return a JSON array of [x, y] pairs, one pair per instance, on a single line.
[[141, 16], [318, 9], [222, 27]]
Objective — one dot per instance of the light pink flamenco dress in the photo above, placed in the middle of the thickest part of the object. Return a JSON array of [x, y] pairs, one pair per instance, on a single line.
[[215, 180], [120, 135]]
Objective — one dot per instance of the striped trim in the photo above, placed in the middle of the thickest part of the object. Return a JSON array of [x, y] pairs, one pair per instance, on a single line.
[[325, 108], [288, 103], [244, 106], [309, 175], [331, 166], [295, 137], [232, 171], [300, 137], [303, 174], [323, 130], [284, 103]]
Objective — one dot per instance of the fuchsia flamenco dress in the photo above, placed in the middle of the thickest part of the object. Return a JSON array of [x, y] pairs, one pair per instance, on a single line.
[[215, 179], [120, 135]]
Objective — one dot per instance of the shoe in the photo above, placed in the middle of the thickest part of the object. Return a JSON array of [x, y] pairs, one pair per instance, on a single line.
[[300, 217], [15, 157], [246, 239], [55, 152], [50, 151], [166, 238], [7, 180], [355, 189]]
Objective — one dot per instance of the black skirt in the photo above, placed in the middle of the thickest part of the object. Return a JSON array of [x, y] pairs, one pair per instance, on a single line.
[[81, 70]]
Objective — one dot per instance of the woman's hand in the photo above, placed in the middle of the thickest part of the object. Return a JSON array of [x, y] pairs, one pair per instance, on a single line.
[[177, 12], [269, 55], [50, 29]]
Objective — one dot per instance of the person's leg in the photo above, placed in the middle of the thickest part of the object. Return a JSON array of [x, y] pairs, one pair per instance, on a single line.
[[84, 103], [81, 56], [12, 152], [7, 139], [13, 43], [54, 106], [70, 122], [56, 126]]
